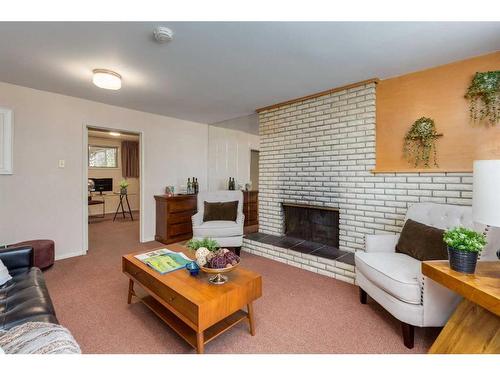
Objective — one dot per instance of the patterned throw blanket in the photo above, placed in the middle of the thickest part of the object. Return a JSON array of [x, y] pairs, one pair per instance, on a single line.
[[38, 338]]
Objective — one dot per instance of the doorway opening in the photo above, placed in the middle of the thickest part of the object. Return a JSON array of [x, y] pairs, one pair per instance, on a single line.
[[113, 196]]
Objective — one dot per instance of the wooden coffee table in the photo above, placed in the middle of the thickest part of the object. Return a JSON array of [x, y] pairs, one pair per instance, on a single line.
[[196, 310]]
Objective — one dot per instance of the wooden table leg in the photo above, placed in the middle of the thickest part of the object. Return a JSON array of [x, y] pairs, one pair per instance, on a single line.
[[130, 291], [251, 321], [123, 207], [470, 330], [129, 210], [200, 343], [118, 208]]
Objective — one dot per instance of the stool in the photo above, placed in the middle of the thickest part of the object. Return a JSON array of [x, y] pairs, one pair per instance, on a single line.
[[44, 251]]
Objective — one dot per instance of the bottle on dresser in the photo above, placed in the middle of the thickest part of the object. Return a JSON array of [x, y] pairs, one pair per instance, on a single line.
[[189, 186], [232, 184]]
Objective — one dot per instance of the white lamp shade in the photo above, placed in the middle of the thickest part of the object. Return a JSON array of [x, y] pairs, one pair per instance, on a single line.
[[486, 192]]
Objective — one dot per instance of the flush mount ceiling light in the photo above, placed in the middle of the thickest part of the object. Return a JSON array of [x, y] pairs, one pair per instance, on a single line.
[[114, 134], [107, 79]]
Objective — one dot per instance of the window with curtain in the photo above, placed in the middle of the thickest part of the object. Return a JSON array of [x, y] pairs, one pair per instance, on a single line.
[[130, 158]]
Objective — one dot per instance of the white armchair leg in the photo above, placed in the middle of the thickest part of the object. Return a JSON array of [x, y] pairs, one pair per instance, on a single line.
[[363, 296]]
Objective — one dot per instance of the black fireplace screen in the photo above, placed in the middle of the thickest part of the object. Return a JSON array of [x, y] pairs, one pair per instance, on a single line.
[[312, 223]]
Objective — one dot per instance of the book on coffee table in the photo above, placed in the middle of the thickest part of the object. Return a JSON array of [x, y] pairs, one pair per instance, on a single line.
[[164, 260]]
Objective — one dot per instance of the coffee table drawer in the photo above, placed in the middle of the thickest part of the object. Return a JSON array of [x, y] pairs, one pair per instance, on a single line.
[[167, 295]]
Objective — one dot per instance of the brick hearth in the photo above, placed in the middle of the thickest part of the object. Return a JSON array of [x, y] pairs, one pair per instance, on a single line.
[[312, 256]]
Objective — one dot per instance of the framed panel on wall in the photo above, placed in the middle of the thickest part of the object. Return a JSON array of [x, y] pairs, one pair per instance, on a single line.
[[6, 140]]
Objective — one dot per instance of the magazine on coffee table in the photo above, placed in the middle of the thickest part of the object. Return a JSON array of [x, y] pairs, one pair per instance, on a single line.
[[164, 260]]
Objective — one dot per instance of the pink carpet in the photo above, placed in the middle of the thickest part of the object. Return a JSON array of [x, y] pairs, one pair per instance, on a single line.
[[300, 311]]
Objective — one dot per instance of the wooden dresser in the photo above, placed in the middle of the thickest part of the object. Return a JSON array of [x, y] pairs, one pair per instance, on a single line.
[[251, 211], [173, 217]]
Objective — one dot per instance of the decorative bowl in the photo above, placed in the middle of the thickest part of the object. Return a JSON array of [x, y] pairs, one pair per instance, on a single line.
[[218, 277], [193, 268]]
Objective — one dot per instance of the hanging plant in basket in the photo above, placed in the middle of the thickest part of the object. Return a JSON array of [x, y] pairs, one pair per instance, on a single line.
[[419, 143], [484, 97]]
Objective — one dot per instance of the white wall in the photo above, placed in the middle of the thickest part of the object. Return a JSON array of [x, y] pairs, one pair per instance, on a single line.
[[247, 124], [229, 156], [41, 200], [112, 200]]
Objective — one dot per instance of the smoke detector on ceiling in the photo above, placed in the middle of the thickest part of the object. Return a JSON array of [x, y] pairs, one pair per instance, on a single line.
[[163, 34]]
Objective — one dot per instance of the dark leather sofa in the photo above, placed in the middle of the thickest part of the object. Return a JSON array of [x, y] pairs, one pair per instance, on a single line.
[[25, 298]]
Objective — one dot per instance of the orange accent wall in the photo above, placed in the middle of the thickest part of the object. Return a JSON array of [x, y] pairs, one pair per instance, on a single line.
[[437, 93]]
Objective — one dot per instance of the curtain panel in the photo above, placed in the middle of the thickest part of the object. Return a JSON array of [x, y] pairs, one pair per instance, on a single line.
[[130, 158]]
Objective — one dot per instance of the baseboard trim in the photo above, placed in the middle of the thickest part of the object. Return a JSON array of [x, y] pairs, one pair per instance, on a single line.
[[70, 255], [112, 212]]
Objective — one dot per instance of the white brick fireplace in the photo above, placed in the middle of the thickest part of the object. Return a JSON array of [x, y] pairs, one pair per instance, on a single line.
[[321, 151]]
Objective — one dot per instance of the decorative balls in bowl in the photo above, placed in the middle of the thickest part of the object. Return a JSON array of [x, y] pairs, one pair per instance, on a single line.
[[218, 259], [217, 262]]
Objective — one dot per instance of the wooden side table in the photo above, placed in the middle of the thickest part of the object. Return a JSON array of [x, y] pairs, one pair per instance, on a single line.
[[173, 217], [474, 327], [251, 211], [120, 204]]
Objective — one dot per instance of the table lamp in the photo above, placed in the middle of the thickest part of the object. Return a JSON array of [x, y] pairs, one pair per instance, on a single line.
[[486, 193]]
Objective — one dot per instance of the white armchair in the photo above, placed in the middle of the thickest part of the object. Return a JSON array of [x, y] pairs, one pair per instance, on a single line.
[[395, 280], [226, 233]]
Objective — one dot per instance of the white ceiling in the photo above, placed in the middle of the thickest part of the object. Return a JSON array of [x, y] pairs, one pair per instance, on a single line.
[[214, 71]]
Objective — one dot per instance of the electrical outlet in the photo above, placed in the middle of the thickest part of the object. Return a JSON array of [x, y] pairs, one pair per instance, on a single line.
[[61, 163]]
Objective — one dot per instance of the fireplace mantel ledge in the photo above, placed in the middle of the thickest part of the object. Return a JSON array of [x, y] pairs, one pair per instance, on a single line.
[[420, 170], [326, 208]]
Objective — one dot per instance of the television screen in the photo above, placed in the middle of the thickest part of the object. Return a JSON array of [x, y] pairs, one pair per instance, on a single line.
[[103, 184]]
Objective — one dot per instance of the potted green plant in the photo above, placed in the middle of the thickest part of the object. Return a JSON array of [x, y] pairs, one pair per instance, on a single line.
[[484, 96], [419, 142], [123, 187], [464, 246], [210, 244]]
